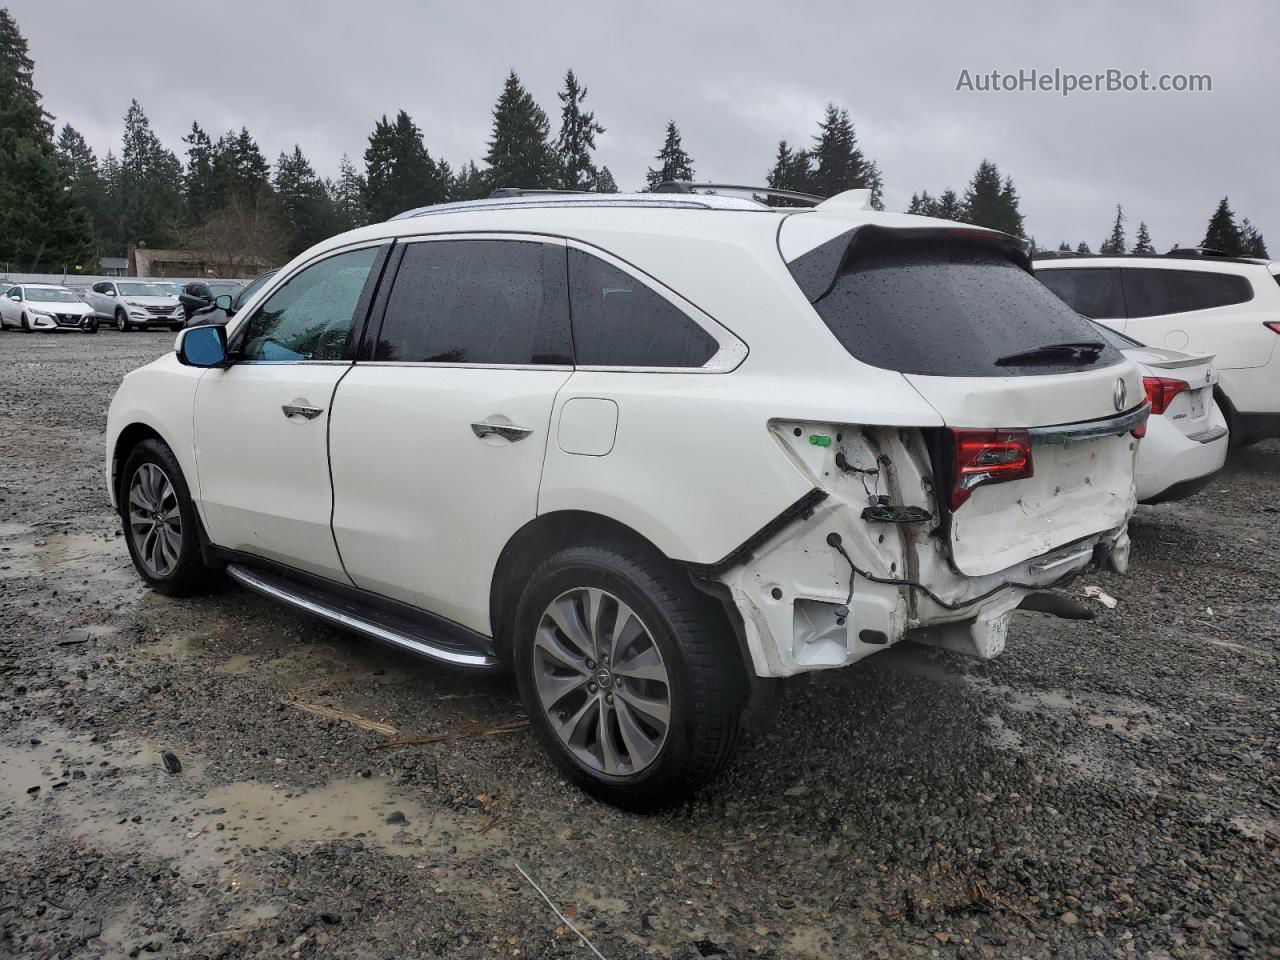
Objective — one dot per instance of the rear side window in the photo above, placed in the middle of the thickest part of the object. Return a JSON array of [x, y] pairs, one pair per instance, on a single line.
[[1151, 292], [1094, 292], [619, 322], [478, 302], [950, 309]]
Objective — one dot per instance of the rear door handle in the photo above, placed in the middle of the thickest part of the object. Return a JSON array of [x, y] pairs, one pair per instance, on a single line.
[[506, 431], [297, 409]]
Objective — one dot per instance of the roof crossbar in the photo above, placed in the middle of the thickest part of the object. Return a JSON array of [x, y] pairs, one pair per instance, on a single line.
[[501, 192]]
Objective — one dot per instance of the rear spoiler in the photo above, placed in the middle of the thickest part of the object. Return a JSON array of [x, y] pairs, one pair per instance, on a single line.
[[1187, 360], [815, 272]]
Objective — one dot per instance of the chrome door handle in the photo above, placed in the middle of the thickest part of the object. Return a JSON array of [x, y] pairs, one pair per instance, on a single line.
[[295, 409], [504, 430]]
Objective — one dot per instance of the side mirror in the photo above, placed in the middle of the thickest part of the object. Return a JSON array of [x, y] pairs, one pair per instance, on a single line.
[[202, 346], [223, 302]]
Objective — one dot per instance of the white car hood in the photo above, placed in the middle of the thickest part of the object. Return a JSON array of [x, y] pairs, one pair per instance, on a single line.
[[46, 306]]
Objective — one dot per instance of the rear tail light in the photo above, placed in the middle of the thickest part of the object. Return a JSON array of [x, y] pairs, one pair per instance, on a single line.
[[1161, 391], [1272, 325], [988, 456]]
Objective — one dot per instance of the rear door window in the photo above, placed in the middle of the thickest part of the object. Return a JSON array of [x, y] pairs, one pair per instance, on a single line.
[[618, 321], [1151, 292], [478, 302], [1094, 292], [951, 309]]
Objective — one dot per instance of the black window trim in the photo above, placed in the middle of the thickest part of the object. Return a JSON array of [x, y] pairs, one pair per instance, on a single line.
[[236, 332]]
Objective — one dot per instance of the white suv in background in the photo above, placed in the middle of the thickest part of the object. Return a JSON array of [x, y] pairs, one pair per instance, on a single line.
[[133, 304], [1195, 301], [647, 450]]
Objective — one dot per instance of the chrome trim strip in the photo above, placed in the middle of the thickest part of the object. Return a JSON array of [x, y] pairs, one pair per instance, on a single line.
[[1091, 429], [1044, 566], [245, 577]]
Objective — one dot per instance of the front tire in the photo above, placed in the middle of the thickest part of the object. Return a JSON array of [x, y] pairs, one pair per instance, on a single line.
[[91, 326], [25, 325], [161, 526], [122, 322], [628, 674]]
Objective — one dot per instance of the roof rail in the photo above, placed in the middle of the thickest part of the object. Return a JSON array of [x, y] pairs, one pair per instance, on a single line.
[[688, 186], [1195, 252], [501, 192]]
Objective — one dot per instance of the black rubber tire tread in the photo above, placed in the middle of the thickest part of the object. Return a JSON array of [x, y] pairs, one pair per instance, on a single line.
[[708, 680], [191, 576]]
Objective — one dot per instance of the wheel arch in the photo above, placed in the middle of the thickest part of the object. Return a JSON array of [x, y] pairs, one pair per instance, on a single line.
[[549, 532], [126, 440]]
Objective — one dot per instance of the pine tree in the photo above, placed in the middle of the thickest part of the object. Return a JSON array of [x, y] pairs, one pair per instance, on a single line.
[[792, 170], [578, 129], [1142, 242], [348, 196], [87, 186], [673, 162], [41, 223], [149, 187], [1251, 242], [1116, 243], [1222, 233], [469, 183], [305, 203], [839, 164], [1083, 248], [399, 172], [239, 171], [605, 182], [923, 205], [988, 202], [1064, 247], [200, 186], [520, 153], [950, 207]]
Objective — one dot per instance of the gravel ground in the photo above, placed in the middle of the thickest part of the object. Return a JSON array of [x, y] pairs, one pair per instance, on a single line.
[[1107, 788]]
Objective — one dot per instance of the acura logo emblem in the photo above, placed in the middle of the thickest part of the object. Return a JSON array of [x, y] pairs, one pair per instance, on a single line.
[[1120, 394]]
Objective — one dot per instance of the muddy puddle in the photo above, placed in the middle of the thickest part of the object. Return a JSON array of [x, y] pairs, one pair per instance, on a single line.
[[117, 795]]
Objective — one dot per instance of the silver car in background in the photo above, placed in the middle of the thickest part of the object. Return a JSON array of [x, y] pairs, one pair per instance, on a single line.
[[133, 304]]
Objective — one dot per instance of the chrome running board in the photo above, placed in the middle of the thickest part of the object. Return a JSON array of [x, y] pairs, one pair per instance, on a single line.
[[362, 618]]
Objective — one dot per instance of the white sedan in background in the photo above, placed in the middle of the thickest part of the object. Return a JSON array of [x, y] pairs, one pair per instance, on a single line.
[[1187, 439], [45, 306]]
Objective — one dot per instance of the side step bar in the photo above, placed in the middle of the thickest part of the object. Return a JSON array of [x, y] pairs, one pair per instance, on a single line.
[[363, 618]]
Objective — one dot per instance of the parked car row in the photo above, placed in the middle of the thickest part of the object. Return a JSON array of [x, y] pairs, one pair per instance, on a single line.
[[764, 441], [127, 304]]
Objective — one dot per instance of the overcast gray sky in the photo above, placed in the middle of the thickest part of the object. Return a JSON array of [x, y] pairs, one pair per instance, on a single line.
[[734, 76]]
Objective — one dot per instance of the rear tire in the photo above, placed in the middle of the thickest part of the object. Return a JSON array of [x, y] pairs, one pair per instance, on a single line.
[[671, 724], [161, 526]]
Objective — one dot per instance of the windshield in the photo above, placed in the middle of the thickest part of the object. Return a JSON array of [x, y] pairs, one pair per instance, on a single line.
[[145, 289], [251, 289], [220, 288], [942, 308], [46, 295]]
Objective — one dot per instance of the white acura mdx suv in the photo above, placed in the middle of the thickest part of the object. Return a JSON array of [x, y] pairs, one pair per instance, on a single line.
[[647, 450]]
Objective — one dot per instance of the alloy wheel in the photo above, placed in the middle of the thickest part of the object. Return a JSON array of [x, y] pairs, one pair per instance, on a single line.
[[155, 521], [602, 682]]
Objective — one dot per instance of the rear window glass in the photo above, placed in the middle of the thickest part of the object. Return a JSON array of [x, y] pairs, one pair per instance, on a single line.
[[1151, 292], [1094, 292], [951, 309]]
